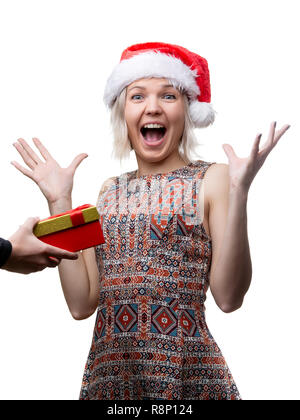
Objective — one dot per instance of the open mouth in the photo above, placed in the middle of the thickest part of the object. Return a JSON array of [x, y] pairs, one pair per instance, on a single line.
[[153, 134]]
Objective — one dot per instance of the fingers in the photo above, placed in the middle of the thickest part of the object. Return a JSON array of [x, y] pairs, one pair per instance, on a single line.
[[272, 132], [52, 262], [44, 152], [273, 138], [36, 267], [31, 222], [21, 168], [281, 132], [229, 151], [46, 262], [25, 154], [76, 162], [255, 147], [60, 253], [30, 151], [268, 144], [275, 135]]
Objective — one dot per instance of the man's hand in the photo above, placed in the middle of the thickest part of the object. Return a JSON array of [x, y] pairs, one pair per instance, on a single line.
[[29, 254]]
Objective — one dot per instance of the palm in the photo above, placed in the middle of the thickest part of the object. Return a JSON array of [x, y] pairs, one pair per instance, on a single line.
[[54, 182], [238, 169], [49, 177]]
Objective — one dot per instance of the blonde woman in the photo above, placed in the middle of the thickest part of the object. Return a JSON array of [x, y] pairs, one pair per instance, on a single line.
[[168, 236]]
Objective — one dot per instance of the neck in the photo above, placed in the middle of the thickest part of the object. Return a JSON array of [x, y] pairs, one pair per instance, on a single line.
[[168, 164]]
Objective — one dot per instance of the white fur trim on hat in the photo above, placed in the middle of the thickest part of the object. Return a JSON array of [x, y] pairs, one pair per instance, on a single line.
[[150, 64]]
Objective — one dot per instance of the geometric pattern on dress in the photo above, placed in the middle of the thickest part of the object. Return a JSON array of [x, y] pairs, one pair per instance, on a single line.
[[164, 319], [188, 323], [100, 323], [181, 228], [155, 229], [126, 318], [173, 303]]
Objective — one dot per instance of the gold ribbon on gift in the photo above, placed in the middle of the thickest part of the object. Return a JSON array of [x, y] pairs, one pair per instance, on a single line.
[[80, 215]]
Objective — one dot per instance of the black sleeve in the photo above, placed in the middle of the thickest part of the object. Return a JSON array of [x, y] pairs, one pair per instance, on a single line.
[[5, 251]]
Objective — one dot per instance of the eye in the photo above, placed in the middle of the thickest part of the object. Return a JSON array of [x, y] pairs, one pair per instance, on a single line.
[[169, 96], [136, 97]]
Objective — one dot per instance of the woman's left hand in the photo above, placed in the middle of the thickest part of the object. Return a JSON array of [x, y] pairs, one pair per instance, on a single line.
[[243, 170]]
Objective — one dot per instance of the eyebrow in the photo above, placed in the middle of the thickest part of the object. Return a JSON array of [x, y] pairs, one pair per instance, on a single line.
[[143, 88]]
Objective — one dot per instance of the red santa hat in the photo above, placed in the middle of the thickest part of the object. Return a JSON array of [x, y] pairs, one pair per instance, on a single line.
[[183, 68]]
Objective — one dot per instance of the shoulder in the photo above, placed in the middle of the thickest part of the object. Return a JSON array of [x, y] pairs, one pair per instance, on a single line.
[[215, 170], [106, 185], [216, 182], [108, 182]]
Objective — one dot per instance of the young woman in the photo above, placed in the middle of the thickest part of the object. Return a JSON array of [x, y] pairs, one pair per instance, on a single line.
[[168, 236]]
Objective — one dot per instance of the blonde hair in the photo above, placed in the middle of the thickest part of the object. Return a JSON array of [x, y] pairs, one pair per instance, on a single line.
[[122, 145]]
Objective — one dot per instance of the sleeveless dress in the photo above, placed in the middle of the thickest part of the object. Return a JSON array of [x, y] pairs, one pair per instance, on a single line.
[[150, 340]]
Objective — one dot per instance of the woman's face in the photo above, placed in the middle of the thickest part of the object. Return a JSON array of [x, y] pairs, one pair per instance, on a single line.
[[154, 101]]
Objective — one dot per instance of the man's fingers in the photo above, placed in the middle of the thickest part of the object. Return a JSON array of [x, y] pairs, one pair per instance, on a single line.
[[31, 222], [53, 262], [54, 259], [60, 253]]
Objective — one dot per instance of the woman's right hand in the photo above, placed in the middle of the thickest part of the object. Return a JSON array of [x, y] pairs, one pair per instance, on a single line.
[[56, 183]]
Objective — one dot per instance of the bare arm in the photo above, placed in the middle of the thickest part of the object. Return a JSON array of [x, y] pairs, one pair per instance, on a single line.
[[228, 188], [79, 280], [231, 267]]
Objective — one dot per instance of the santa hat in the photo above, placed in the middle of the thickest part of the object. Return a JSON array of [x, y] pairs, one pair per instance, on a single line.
[[183, 68]]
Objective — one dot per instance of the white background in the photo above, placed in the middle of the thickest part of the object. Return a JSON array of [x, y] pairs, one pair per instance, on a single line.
[[55, 59]]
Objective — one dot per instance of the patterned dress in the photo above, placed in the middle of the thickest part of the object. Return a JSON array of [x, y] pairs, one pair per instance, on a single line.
[[151, 340]]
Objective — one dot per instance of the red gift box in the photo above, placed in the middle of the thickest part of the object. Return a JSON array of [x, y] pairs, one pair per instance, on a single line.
[[73, 230]]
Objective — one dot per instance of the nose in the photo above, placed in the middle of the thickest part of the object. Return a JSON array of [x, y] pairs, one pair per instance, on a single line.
[[152, 106]]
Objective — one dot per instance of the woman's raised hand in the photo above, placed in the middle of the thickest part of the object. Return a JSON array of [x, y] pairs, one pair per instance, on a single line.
[[243, 170], [56, 183]]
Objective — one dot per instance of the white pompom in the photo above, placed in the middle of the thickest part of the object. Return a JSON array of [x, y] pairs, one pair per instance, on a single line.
[[202, 113]]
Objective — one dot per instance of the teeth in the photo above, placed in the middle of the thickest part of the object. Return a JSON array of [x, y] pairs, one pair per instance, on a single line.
[[153, 126]]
